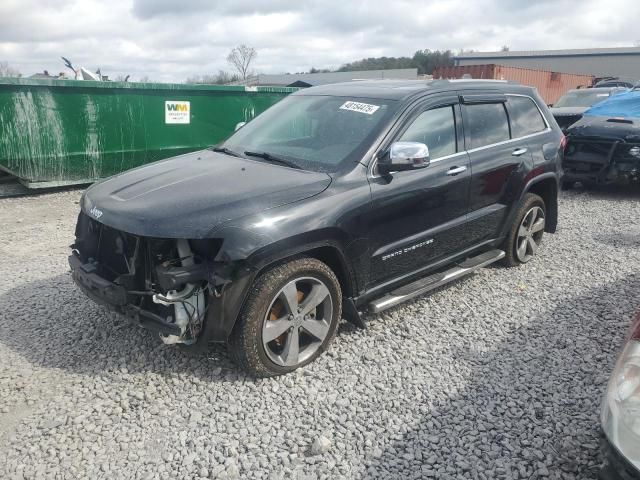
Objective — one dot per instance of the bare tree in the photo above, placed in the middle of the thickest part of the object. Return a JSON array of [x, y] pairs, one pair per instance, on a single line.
[[240, 58], [7, 71], [504, 48]]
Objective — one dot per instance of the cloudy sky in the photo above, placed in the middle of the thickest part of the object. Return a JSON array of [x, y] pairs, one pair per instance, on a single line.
[[170, 40]]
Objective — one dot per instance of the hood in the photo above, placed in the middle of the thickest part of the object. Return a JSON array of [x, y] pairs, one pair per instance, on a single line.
[[612, 128], [189, 195], [562, 111]]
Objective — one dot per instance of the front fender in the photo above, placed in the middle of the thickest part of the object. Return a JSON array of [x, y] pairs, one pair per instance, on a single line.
[[258, 251], [224, 310], [330, 226]]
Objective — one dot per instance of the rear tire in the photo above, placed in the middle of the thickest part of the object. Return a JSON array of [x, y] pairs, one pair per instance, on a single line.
[[289, 318], [525, 235]]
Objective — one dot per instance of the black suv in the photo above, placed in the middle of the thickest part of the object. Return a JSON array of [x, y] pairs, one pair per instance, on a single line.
[[339, 199]]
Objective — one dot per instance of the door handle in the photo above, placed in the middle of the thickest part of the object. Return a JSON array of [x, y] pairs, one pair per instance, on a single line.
[[519, 151], [456, 170]]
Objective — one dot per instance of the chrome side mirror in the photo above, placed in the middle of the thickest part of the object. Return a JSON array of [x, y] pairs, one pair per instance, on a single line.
[[239, 125], [404, 156]]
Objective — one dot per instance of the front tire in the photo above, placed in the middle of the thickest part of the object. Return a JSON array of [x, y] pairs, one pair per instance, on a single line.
[[289, 318], [525, 236]]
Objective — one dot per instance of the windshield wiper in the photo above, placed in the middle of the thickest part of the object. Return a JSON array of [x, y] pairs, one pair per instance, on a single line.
[[272, 158], [227, 151]]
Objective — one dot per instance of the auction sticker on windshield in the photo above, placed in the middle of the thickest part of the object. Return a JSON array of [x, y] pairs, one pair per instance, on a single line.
[[360, 107]]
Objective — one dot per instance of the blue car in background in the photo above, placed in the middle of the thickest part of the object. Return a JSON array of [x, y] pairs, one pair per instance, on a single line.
[[571, 106], [604, 145]]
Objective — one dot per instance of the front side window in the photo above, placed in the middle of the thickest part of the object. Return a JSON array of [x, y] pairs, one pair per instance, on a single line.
[[317, 133], [525, 117], [487, 123], [435, 128]]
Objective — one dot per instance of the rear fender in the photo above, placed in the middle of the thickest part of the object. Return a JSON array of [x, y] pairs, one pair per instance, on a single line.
[[550, 195]]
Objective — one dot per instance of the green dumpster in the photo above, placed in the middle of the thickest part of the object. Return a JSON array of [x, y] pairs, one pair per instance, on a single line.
[[63, 132]]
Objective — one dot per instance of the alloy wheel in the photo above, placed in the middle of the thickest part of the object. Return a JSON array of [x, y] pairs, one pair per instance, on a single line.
[[530, 234], [297, 321]]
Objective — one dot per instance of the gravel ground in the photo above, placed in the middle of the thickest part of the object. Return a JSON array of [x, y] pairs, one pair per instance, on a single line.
[[498, 376]]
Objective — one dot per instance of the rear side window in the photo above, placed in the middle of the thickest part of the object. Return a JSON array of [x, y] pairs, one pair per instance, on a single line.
[[525, 117], [487, 124], [435, 128]]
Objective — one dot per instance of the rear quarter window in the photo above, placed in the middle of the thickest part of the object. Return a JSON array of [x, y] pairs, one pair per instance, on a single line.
[[486, 123], [525, 116]]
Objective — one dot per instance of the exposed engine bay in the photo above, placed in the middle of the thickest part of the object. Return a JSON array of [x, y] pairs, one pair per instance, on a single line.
[[166, 284]]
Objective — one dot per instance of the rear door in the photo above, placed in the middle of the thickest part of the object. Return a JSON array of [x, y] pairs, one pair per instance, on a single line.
[[497, 161], [418, 216], [528, 125]]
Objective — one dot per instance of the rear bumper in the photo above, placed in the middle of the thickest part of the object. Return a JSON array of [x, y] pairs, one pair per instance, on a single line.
[[115, 297], [616, 467]]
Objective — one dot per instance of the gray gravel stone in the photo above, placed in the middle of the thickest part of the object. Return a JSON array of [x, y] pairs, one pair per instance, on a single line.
[[320, 445], [498, 376]]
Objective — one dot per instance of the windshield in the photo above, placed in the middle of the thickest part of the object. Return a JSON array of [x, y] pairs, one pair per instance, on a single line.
[[317, 133], [581, 98]]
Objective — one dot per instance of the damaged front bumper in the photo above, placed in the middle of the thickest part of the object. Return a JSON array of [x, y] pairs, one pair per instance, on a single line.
[[116, 297], [173, 287], [601, 160]]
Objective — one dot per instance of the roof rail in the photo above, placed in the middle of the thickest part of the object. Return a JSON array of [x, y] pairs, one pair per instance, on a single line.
[[472, 80], [487, 80]]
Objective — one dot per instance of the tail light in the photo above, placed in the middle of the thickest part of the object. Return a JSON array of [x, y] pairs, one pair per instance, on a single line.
[[563, 143]]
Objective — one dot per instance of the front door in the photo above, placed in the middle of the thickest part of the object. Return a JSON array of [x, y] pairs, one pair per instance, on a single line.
[[418, 216]]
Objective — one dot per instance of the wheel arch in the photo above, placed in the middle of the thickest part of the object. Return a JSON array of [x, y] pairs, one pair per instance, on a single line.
[[328, 250], [546, 187]]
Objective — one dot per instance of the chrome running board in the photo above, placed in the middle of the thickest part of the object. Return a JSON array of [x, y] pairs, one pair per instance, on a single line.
[[435, 280]]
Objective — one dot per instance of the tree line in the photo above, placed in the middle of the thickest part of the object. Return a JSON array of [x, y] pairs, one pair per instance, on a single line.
[[426, 61]]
